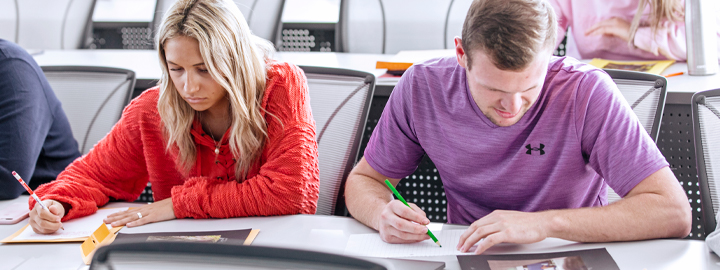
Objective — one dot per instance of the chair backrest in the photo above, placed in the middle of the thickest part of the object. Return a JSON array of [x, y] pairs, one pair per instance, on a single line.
[[455, 18], [706, 125], [161, 6], [92, 97], [645, 93], [8, 20], [197, 255], [390, 26], [54, 24], [340, 101], [263, 16]]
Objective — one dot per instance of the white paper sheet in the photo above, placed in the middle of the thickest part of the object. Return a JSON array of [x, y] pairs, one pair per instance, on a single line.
[[80, 227], [370, 245]]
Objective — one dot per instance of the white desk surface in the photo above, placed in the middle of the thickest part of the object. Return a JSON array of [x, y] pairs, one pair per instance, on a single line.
[[330, 234], [146, 65]]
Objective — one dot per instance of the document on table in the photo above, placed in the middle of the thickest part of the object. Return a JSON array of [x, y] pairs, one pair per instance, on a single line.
[[370, 245], [75, 230]]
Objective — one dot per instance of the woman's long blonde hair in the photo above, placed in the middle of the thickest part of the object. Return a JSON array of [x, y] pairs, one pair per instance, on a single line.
[[235, 59], [660, 10]]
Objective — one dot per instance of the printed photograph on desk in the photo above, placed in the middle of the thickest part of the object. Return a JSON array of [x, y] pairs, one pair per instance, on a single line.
[[563, 263], [189, 238], [244, 237], [570, 260], [654, 67]]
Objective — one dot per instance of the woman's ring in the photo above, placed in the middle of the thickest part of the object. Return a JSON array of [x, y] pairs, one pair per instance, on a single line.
[[139, 215]]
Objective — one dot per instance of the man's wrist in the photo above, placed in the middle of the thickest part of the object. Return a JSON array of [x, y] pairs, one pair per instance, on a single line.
[[554, 223]]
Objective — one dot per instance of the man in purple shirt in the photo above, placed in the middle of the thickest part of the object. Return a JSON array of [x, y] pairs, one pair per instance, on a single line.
[[526, 143]]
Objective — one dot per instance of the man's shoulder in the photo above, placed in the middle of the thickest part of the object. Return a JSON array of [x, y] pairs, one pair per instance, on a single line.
[[437, 65], [9, 50], [572, 67], [566, 73], [436, 73]]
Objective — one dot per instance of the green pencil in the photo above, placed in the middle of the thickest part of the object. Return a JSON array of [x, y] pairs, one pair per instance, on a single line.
[[397, 194]]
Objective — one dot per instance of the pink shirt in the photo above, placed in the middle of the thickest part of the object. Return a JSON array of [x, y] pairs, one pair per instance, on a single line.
[[580, 15]]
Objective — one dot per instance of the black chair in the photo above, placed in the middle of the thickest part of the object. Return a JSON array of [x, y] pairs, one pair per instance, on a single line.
[[706, 125]]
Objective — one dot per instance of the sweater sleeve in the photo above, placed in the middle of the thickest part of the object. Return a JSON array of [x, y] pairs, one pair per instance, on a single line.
[[669, 41], [114, 168], [288, 177], [563, 13]]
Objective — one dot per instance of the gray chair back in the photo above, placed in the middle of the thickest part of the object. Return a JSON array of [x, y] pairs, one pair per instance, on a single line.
[[263, 16], [8, 20], [340, 101], [54, 24], [92, 97], [646, 95], [706, 125], [390, 26]]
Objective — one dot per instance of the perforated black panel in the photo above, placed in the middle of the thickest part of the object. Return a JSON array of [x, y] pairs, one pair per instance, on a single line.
[[146, 195], [312, 37], [676, 142], [425, 189], [560, 50], [134, 38]]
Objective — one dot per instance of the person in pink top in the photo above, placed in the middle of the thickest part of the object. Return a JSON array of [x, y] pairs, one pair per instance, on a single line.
[[614, 29]]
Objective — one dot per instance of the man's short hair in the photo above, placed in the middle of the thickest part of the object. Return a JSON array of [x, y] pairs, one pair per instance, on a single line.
[[510, 32]]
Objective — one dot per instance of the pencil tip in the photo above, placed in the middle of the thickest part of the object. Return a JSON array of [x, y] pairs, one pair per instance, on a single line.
[[438, 243]]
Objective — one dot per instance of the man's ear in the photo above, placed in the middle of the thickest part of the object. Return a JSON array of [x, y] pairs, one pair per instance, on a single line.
[[460, 53]]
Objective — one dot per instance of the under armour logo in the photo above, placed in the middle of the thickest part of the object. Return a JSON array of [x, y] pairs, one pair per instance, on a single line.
[[530, 149]]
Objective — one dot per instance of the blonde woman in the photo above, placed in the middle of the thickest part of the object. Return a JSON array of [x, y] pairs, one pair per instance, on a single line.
[[623, 29], [226, 133]]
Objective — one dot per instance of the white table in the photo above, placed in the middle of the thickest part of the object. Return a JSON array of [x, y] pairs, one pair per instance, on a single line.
[[146, 65], [330, 234]]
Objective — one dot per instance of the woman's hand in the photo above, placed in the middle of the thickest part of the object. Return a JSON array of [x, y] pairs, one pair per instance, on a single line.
[[44, 222], [614, 26], [154, 212]]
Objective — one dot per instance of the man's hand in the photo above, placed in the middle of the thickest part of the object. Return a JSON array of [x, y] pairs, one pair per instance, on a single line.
[[154, 212], [44, 222], [400, 224], [504, 227], [614, 26]]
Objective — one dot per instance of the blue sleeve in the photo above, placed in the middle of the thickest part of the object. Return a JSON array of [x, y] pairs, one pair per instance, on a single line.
[[25, 119], [394, 150]]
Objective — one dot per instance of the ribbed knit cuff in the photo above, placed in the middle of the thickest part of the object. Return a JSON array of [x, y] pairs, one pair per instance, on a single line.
[[644, 40]]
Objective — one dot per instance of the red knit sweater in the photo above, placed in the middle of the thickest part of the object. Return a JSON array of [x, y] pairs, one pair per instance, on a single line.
[[284, 180]]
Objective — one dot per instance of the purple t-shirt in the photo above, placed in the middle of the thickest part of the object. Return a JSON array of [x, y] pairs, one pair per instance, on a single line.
[[579, 137]]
